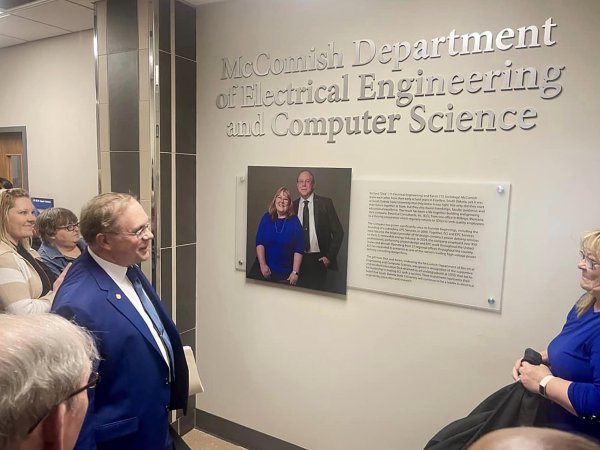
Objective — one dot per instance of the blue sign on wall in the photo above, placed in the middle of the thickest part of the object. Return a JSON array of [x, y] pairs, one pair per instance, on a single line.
[[42, 203]]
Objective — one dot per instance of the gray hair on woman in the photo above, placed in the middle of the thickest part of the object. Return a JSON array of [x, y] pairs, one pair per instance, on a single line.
[[43, 360]]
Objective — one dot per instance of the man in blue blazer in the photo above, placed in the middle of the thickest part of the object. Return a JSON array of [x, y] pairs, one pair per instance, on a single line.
[[323, 232], [143, 373]]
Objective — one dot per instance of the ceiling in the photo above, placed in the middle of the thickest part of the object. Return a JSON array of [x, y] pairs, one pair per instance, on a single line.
[[26, 20]]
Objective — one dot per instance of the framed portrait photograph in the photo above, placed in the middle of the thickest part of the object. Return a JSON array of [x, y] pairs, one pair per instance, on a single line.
[[298, 220]]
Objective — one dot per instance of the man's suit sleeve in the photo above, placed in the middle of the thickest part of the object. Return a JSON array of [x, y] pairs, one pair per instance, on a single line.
[[87, 435], [337, 232]]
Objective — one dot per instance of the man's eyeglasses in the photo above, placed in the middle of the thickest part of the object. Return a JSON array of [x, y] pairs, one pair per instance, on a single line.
[[138, 233], [589, 263], [91, 384], [69, 227]]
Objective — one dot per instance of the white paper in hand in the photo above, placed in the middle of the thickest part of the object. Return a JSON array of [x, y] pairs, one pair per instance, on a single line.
[[195, 382]]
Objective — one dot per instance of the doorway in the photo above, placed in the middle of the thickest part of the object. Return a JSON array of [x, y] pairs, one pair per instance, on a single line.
[[13, 156]]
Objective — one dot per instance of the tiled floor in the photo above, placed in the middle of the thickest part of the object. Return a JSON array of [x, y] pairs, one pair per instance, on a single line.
[[198, 440]]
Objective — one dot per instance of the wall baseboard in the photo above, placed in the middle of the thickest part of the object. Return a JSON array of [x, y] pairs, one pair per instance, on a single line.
[[239, 434]]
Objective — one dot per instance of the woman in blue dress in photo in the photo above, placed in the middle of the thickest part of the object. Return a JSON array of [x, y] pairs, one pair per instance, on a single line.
[[569, 375], [279, 242]]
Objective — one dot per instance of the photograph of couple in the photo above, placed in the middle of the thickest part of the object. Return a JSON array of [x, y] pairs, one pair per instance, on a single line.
[[297, 226]]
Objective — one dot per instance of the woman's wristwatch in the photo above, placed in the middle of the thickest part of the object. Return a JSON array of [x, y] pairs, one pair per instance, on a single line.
[[543, 383], [295, 273]]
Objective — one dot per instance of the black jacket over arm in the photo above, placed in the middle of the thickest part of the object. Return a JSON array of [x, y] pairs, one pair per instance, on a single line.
[[510, 406]]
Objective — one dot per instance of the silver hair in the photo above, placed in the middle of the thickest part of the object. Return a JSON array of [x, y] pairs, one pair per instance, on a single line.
[[43, 359]]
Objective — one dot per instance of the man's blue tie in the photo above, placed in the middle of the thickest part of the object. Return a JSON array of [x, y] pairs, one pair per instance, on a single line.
[[151, 311]]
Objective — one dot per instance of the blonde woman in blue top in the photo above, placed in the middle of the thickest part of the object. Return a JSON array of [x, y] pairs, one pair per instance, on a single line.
[[570, 371], [279, 241]]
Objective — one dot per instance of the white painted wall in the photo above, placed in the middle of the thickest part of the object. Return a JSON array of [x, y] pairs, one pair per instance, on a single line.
[[48, 86], [375, 371]]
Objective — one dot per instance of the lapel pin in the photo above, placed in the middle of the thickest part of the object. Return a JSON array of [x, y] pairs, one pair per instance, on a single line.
[[118, 296]]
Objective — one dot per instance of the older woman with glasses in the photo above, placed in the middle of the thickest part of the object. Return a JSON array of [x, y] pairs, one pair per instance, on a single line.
[[61, 241], [570, 371], [279, 242], [26, 285]]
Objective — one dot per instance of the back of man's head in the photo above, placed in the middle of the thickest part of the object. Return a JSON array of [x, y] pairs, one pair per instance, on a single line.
[[44, 359], [529, 438]]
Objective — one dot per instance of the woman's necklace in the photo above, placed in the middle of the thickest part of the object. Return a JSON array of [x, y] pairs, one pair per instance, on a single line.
[[277, 230]]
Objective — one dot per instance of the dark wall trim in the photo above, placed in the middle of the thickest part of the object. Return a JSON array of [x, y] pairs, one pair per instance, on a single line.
[[122, 25], [239, 434]]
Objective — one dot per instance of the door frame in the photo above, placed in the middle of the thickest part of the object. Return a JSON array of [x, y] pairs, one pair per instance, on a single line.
[[23, 131]]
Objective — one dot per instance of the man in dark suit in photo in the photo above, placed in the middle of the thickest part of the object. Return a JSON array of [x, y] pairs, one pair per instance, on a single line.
[[323, 232], [143, 373]]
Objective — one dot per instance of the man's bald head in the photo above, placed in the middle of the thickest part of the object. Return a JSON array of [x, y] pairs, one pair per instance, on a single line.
[[529, 438]]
